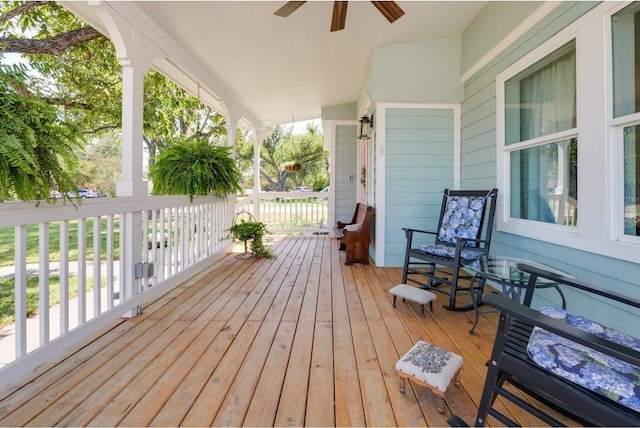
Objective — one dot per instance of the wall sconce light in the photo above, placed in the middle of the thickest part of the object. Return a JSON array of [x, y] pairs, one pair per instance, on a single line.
[[366, 124]]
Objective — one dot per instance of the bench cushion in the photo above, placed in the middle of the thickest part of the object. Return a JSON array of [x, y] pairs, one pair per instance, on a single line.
[[353, 227], [605, 375], [430, 364]]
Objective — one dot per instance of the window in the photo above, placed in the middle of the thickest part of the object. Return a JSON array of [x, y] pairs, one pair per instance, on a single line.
[[625, 29], [541, 139]]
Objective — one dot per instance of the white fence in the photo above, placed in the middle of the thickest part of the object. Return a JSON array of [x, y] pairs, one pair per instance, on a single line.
[[111, 239], [289, 211]]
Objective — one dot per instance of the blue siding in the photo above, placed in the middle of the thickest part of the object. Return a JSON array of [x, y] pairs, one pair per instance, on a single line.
[[345, 163], [479, 170], [419, 165]]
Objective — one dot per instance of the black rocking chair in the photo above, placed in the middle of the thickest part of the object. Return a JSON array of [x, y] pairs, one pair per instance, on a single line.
[[463, 235]]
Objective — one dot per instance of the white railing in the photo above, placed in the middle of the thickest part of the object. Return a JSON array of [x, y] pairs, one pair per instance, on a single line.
[[288, 211], [115, 238]]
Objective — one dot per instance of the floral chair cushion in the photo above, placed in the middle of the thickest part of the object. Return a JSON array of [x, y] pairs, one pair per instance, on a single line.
[[448, 252], [605, 375], [462, 219]]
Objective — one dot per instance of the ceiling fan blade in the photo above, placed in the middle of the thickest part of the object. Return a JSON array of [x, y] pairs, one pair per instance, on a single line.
[[288, 8], [389, 9], [339, 17]]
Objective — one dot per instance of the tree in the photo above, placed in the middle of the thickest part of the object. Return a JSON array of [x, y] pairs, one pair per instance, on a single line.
[[282, 147], [78, 72]]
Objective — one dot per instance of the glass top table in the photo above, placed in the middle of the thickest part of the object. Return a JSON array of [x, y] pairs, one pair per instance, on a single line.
[[501, 273]]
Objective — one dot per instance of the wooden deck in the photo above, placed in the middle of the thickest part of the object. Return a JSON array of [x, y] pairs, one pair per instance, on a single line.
[[298, 340]]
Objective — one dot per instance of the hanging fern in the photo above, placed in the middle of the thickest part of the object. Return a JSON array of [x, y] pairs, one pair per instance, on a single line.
[[36, 146], [195, 167]]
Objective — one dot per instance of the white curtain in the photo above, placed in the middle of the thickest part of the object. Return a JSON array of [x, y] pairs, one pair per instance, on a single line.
[[547, 105]]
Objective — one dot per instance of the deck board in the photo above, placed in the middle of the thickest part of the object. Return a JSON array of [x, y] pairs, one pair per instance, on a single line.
[[298, 340]]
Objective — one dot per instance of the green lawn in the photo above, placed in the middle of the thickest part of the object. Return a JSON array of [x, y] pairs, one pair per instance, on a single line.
[[7, 295]]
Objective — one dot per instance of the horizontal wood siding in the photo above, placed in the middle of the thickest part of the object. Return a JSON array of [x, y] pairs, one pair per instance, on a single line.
[[345, 162], [419, 165], [478, 164]]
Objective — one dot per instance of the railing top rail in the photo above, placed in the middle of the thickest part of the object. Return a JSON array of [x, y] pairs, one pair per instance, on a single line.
[[21, 213]]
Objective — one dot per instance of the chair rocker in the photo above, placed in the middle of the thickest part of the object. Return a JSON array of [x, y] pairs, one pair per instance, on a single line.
[[463, 235]]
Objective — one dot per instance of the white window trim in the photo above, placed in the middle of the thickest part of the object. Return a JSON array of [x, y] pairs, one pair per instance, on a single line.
[[599, 163], [616, 126], [529, 228]]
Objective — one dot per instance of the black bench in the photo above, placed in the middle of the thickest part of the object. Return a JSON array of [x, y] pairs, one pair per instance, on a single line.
[[510, 362], [355, 237]]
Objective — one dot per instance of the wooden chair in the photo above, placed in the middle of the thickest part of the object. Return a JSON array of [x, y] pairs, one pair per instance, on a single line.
[[463, 234]]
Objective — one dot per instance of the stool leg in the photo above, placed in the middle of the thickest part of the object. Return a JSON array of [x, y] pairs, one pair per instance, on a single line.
[[456, 382], [441, 404], [422, 310], [402, 385], [431, 306], [394, 301]]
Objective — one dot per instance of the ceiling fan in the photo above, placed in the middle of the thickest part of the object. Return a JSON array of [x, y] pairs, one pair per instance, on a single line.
[[389, 9]]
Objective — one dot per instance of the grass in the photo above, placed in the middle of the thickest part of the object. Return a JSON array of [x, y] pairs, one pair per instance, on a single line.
[[7, 295]]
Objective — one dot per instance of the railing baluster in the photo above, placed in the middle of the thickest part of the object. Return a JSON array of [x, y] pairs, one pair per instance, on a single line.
[[43, 296], [109, 260], [97, 266], [82, 271], [20, 248], [64, 277]]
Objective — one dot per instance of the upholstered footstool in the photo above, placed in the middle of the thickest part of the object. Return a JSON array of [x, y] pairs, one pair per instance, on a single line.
[[415, 294], [430, 366]]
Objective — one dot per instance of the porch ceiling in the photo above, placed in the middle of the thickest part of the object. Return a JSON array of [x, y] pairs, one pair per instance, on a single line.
[[274, 68]]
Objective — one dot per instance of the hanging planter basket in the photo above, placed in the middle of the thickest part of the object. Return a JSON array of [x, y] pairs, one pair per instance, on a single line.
[[293, 167]]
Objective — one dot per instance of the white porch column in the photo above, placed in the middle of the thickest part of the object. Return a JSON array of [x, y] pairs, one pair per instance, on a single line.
[[135, 53], [132, 182]]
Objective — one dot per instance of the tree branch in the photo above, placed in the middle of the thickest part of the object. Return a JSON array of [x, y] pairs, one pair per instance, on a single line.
[[21, 9], [52, 45]]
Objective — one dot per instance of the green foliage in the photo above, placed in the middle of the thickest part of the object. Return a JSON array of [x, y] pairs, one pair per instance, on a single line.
[[194, 167], [251, 231], [282, 147], [36, 146]]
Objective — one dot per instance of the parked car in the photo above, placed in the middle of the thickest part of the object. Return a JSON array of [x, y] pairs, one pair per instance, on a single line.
[[302, 189], [90, 193]]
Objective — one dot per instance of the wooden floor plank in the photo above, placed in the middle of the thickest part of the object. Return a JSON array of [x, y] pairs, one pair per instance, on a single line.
[[320, 398], [264, 404], [299, 340], [349, 410]]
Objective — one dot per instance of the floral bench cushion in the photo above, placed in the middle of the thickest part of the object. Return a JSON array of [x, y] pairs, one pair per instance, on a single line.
[[605, 375]]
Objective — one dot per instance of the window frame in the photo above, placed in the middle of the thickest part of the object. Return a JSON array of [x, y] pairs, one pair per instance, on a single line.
[[532, 228], [616, 127]]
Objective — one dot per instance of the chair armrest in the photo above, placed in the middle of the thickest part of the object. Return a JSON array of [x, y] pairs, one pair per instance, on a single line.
[[536, 273], [529, 316], [409, 234]]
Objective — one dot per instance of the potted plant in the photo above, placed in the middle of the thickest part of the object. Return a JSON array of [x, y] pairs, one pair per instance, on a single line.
[[195, 167], [251, 231]]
